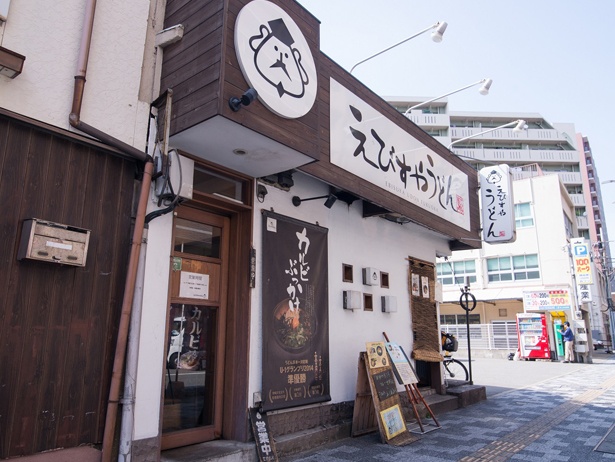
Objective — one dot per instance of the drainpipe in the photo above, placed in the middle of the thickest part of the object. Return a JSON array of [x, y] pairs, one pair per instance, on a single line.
[[128, 400], [129, 288]]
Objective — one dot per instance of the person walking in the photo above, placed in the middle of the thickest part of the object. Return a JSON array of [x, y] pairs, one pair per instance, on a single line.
[[568, 336]]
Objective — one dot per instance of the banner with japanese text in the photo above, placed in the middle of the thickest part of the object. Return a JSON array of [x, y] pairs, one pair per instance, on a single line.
[[295, 313]]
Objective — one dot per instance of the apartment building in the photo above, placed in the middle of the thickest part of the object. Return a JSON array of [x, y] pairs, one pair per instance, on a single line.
[[540, 257]]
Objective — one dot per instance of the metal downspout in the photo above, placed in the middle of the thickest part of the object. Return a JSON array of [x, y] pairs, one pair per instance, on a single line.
[[132, 356], [129, 289]]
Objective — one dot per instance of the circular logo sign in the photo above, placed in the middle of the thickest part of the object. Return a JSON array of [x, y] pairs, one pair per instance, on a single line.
[[275, 59]]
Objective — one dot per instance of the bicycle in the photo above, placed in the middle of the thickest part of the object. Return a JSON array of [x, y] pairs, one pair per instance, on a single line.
[[453, 368]]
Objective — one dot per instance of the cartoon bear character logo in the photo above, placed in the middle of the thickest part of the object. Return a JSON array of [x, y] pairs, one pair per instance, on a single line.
[[277, 60]]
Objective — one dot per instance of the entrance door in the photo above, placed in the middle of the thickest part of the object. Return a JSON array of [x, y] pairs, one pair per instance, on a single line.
[[192, 410]]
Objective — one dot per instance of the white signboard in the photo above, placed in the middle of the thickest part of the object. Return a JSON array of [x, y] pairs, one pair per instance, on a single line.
[[369, 145], [582, 261], [275, 59], [497, 205], [548, 300], [194, 285]]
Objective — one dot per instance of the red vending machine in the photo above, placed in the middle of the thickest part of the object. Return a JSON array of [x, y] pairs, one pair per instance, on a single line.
[[533, 336]]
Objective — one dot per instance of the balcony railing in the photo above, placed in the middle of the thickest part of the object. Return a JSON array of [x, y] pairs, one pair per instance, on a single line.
[[430, 120], [582, 223], [542, 156], [506, 134]]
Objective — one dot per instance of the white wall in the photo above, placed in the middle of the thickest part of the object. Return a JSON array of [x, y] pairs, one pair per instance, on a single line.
[[360, 242], [48, 35]]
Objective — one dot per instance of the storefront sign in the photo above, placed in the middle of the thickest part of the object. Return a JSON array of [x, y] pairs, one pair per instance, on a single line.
[[265, 444], [547, 300], [295, 313], [497, 204], [275, 59], [369, 145], [582, 261]]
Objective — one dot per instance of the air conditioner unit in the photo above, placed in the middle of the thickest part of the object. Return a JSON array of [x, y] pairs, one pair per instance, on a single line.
[[371, 277], [352, 300], [389, 304]]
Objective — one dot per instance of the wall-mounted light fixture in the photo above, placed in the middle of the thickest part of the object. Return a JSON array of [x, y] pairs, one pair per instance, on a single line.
[[438, 31], [483, 90], [328, 203], [519, 124], [11, 63], [249, 95], [261, 192]]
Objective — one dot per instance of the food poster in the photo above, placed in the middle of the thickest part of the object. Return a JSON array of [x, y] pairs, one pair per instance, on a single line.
[[401, 365], [376, 355], [295, 313]]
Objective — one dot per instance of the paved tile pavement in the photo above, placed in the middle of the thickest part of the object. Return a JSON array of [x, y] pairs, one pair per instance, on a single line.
[[560, 419]]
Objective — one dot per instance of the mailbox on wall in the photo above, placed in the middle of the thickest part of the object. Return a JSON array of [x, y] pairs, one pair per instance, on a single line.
[[53, 242]]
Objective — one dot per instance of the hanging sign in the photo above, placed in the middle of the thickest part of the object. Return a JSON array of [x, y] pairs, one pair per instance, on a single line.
[[295, 312], [497, 205], [582, 261]]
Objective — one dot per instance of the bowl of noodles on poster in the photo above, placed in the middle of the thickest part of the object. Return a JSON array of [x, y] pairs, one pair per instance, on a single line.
[[293, 327]]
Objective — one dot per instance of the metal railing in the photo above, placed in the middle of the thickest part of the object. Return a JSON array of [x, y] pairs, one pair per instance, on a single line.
[[496, 336]]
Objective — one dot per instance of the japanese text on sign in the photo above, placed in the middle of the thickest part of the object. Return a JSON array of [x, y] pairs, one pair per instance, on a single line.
[[558, 299]]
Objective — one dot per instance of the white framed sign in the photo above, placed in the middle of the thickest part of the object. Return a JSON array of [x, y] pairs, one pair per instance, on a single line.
[[194, 285], [369, 145], [582, 260], [276, 59], [497, 204]]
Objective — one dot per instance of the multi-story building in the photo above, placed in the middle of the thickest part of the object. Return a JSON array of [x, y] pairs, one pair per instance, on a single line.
[[542, 149]]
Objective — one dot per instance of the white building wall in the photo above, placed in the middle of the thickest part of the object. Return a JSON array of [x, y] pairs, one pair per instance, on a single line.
[[360, 242], [44, 89]]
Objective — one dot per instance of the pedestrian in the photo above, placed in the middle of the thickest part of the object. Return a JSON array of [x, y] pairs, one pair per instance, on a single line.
[[568, 336]]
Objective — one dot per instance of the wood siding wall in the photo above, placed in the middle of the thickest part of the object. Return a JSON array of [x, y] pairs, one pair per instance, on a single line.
[[58, 324]]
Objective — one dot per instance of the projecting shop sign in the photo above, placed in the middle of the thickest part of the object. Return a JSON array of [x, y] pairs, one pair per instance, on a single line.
[[497, 205], [582, 261]]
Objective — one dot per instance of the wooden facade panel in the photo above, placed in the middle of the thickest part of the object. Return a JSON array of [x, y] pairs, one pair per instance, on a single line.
[[58, 323], [194, 43]]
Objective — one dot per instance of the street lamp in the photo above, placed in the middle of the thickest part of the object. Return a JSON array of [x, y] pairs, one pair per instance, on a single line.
[[436, 36], [483, 90], [519, 125]]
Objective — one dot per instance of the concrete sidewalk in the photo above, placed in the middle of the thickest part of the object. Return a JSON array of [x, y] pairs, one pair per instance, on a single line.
[[562, 414]]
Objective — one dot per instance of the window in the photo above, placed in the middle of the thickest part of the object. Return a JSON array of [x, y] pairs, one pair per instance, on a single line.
[[523, 215], [450, 273], [568, 226], [448, 319], [515, 268]]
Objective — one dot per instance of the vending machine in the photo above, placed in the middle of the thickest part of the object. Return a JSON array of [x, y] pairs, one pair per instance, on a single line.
[[533, 336]]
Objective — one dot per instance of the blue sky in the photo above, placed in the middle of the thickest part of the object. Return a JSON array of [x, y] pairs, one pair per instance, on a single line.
[[552, 57]]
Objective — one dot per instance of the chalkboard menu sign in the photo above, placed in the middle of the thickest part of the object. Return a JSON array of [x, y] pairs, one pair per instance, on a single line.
[[385, 383]]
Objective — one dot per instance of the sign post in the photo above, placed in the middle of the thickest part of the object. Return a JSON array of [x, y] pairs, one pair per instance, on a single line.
[[468, 303]]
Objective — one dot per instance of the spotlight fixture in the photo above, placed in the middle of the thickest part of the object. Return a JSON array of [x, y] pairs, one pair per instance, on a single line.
[[328, 203], [261, 192], [249, 95]]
